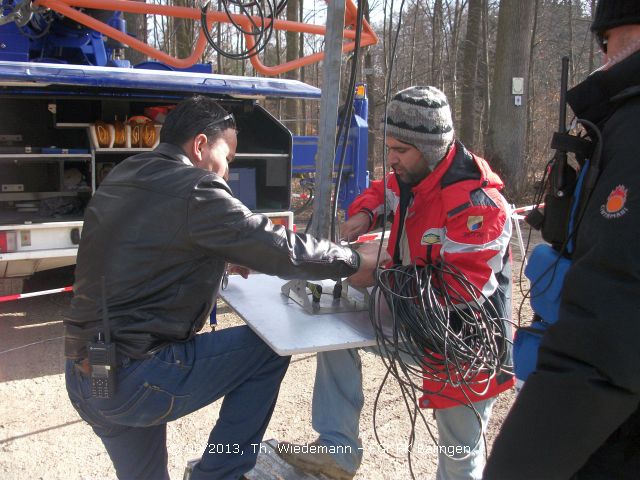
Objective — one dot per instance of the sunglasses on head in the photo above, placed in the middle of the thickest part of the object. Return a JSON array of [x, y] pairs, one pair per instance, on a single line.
[[227, 118]]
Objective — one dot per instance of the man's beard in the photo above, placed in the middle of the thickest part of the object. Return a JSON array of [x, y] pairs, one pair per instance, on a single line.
[[412, 179]]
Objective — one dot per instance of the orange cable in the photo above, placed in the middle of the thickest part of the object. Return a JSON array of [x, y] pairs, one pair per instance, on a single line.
[[66, 7]]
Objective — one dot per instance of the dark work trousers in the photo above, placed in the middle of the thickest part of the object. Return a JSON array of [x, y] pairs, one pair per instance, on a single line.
[[233, 363]]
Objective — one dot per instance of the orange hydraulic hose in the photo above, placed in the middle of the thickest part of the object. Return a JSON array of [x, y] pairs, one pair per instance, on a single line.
[[368, 37], [62, 7], [66, 8]]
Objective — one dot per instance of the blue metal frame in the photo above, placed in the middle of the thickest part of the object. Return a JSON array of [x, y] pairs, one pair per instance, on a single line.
[[51, 38], [15, 46], [355, 173], [35, 75]]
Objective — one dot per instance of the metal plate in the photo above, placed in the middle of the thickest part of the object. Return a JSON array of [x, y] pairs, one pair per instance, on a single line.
[[286, 327]]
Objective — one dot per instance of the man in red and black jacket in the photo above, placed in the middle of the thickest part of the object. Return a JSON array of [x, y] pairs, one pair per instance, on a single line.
[[446, 200]]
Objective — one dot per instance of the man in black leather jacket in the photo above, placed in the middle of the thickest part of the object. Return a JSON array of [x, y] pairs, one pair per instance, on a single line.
[[158, 233], [578, 415]]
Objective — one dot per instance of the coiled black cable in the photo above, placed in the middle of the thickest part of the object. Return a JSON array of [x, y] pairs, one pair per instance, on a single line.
[[261, 31], [452, 333], [441, 328]]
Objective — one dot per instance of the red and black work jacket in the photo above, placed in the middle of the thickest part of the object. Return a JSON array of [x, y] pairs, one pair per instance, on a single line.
[[458, 215]]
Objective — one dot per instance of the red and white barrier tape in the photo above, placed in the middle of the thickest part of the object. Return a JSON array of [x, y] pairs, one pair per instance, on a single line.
[[516, 212], [8, 298], [369, 237]]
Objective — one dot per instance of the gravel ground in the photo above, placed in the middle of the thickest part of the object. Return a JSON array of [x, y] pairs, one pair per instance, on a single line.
[[42, 437]]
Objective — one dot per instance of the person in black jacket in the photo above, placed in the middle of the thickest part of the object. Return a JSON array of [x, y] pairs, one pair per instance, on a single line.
[[578, 415], [157, 235]]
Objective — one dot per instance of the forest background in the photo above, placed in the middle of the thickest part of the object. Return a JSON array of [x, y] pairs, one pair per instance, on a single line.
[[470, 49]]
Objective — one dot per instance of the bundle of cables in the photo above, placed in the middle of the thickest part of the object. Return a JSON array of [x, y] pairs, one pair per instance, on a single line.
[[433, 324], [449, 338], [261, 31]]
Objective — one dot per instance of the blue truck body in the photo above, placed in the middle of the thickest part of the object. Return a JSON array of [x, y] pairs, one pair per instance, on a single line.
[[51, 161]]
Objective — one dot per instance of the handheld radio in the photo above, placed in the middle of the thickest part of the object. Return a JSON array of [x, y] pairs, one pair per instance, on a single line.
[[102, 357]]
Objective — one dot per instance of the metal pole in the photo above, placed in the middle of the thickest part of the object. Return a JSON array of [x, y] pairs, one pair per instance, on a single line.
[[325, 157]]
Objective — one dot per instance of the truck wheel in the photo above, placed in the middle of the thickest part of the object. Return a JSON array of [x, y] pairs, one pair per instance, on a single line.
[[11, 286]]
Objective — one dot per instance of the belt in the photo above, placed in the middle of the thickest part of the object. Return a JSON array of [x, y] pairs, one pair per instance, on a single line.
[[83, 367]]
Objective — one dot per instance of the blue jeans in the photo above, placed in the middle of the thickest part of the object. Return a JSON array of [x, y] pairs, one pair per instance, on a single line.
[[459, 431], [337, 403], [179, 379]]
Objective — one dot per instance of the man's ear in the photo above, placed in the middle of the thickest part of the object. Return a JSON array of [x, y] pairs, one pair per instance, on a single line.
[[195, 148]]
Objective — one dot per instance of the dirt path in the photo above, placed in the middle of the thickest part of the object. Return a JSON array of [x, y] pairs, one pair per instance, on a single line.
[[42, 437]]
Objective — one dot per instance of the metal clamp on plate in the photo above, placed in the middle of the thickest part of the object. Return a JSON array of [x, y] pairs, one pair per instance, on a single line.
[[310, 296]]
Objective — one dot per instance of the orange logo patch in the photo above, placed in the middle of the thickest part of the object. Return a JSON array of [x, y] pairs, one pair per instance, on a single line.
[[615, 206]]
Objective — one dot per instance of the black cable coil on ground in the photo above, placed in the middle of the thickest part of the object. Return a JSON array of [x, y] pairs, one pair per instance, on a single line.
[[436, 333]]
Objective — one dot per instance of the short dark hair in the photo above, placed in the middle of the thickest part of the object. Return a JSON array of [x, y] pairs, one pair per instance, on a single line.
[[195, 115]]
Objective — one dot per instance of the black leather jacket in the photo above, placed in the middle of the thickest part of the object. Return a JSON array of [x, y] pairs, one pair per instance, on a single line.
[[159, 231]]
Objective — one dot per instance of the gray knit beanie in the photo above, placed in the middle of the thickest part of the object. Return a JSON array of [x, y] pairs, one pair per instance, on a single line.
[[421, 116]]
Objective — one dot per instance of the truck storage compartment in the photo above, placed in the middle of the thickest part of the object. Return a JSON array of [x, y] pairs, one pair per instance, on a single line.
[[260, 175], [45, 173], [51, 162]]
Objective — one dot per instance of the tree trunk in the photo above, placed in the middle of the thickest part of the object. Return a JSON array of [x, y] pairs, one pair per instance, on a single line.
[[469, 69], [484, 70], [436, 41], [370, 78], [506, 142], [532, 92], [292, 106], [592, 42], [219, 40], [137, 27], [183, 32], [451, 67], [414, 36], [385, 43], [572, 57], [301, 40]]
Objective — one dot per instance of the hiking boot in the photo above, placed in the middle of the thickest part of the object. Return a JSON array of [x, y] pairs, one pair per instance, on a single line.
[[191, 464], [313, 458]]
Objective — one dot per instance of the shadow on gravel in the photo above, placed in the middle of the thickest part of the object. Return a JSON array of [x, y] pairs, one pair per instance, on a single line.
[[31, 329]]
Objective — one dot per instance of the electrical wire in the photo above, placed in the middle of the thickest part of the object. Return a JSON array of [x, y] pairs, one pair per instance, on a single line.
[[39, 25], [442, 330], [436, 333], [345, 124], [537, 201], [261, 31], [308, 185], [409, 394], [30, 345], [450, 339], [591, 176]]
